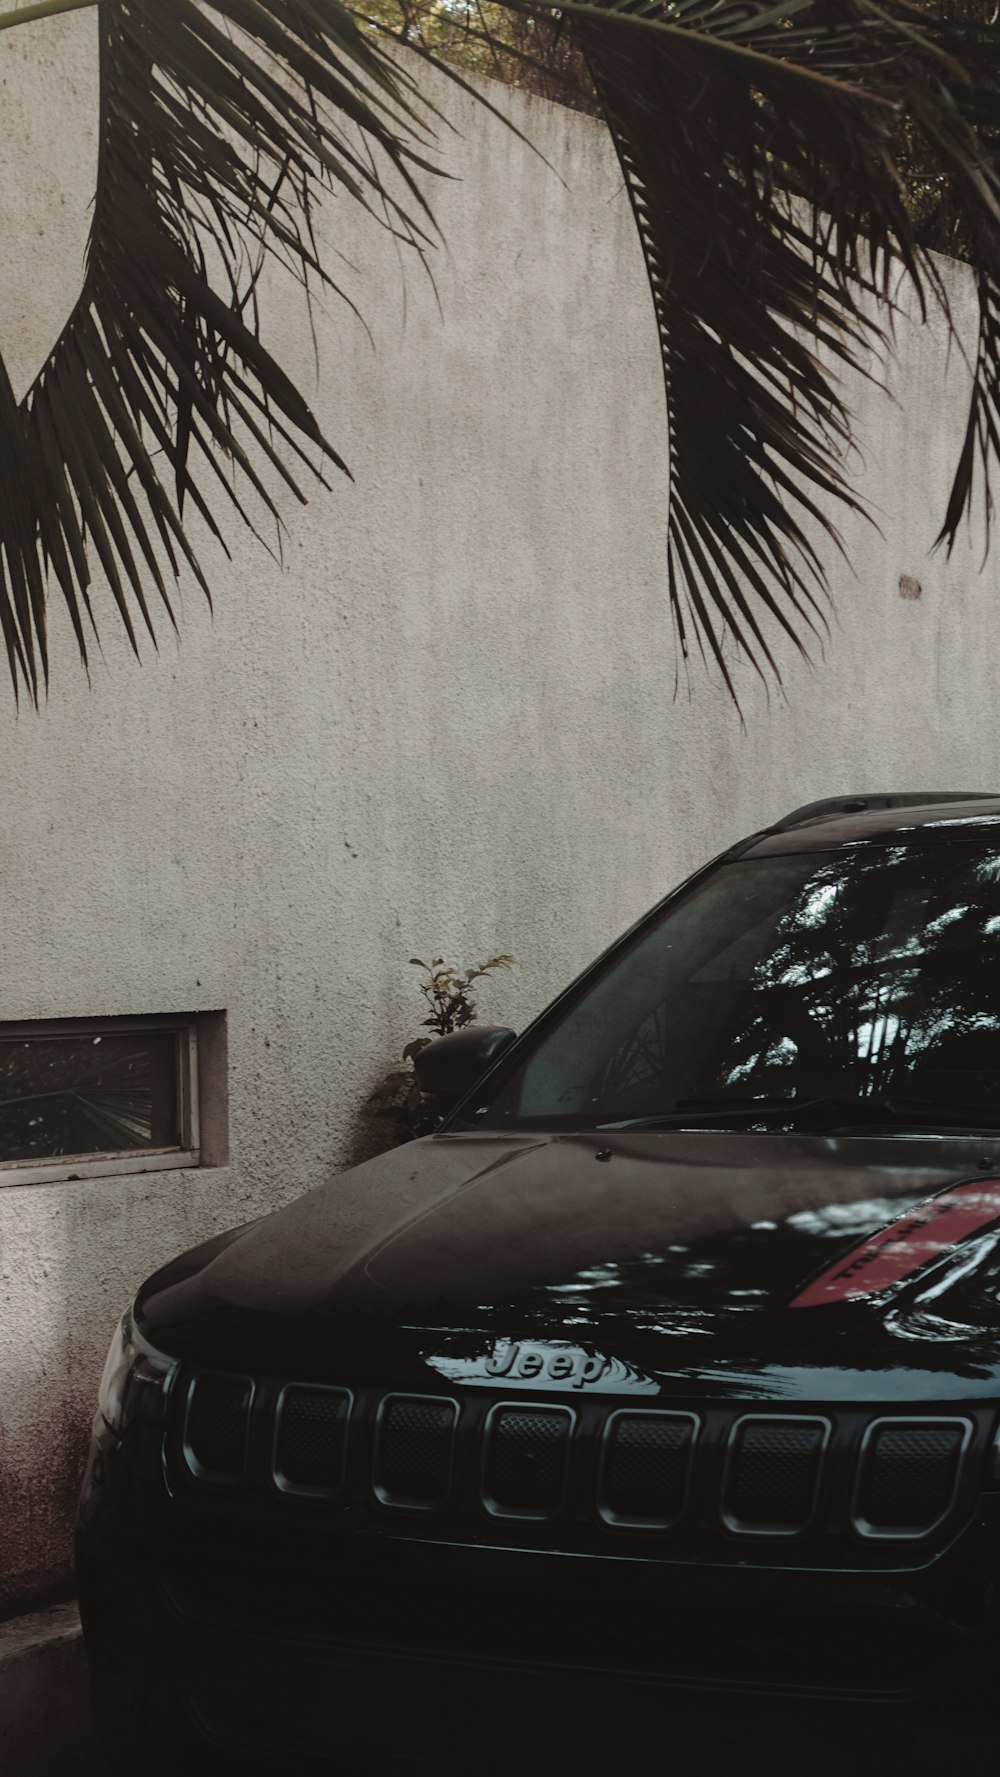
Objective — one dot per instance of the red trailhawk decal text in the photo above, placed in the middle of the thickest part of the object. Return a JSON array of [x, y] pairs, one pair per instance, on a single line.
[[895, 1252]]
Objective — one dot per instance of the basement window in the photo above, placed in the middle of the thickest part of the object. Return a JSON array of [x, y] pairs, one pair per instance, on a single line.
[[93, 1096]]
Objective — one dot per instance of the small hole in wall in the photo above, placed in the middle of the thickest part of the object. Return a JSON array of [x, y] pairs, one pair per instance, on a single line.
[[909, 588]]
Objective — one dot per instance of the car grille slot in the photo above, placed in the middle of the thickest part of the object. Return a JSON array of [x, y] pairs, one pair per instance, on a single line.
[[414, 1448], [631, 1469], [772, 1475], [310, 1440], [646, 1469], [217, 1426], [526, 1460], [909, 1475]]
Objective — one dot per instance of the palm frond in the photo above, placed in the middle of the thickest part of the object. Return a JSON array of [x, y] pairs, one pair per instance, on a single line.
[[763, 149], [218, 123], [760, 146]]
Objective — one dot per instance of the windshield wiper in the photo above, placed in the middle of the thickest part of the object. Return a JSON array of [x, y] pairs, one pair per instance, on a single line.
[[828, 1112]]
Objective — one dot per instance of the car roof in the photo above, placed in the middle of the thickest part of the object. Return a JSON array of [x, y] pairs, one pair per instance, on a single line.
[[919, 817]]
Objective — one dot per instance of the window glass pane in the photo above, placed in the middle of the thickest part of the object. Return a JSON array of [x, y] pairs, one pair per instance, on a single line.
[[87, 1094], [859, 973]]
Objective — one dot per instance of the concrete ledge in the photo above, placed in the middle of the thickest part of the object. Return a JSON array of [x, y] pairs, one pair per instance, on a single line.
[[44, 1717]]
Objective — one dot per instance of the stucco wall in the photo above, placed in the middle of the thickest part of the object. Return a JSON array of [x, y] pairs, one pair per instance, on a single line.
[[447, 723]]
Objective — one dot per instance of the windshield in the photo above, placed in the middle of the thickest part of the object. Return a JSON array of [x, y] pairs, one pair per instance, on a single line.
[[867, 974]]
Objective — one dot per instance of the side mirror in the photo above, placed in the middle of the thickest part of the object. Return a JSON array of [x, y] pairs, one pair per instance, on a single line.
[[450, 1067]]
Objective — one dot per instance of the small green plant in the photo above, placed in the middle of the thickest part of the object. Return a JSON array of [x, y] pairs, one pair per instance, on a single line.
[[398, 1099]]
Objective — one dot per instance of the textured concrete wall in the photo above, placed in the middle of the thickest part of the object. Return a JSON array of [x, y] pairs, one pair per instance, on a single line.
[[446, 723], [45, 1728]]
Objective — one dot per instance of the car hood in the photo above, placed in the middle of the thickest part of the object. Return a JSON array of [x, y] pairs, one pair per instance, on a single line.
[[743, 1261]]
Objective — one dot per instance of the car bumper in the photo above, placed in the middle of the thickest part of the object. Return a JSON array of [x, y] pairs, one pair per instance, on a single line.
[[262, 1643]]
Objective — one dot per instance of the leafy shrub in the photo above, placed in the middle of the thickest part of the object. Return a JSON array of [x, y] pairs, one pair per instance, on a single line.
[[397, 1100]]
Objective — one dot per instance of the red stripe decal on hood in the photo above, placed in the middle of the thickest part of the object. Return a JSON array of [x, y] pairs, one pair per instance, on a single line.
[[905, 1245]]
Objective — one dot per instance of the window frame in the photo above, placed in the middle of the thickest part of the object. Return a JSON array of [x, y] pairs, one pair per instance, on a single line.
[[110, 1162]]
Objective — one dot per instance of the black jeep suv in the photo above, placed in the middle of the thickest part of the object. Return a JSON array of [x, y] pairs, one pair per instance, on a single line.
[[669, 1366]]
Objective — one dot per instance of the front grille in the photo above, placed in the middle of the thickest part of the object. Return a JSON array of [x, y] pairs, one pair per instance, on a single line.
[[696, 1482], [773, 1473], [909, 1476], [646, 1469], [310, 1440], [526, 1460], [414, 1443], [217, 1425]]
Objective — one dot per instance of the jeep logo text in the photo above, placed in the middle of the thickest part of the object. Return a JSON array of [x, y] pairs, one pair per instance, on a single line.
[[523, 1362]]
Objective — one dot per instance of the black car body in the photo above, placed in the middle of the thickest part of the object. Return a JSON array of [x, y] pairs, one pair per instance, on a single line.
[[590, 1402]]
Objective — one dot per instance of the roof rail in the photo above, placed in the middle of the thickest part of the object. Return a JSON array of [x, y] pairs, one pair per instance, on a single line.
[[832, 805]]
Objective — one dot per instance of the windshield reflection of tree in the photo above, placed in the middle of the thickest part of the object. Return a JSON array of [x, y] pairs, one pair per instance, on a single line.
[[860, 973], [881, 979]]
